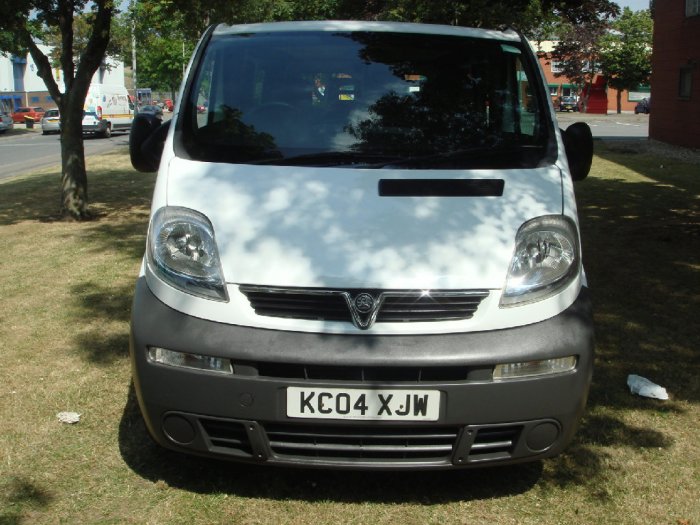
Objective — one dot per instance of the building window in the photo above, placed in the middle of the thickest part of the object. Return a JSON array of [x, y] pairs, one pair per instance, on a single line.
[[553, 90], [556, 66], [692, 7], [685, 82], [35, 100]]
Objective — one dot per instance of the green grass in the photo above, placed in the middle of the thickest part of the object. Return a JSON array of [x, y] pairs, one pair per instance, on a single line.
[[66, 293]]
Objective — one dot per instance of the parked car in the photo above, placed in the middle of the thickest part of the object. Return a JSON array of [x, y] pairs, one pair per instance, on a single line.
[[643, 106], [95, 125], [34, 112], [152, 109], [6, 122], [51, 122], [568, 104], [355, 280]]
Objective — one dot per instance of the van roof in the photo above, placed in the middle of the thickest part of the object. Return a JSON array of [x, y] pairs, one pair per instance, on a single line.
[[346, 25]]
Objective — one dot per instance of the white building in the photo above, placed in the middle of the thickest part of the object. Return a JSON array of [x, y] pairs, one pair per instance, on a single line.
[[20, 85]]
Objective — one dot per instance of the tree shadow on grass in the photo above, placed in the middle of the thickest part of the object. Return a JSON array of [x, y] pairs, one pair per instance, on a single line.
[[34, 198], [641, 243], [100, 307], [19, 495], [38, 197]]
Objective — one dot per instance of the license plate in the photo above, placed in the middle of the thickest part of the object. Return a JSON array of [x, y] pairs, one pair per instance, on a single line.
[[363, 404]]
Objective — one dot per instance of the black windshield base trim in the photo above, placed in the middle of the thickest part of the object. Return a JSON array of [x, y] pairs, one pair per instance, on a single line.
[[441, 187]]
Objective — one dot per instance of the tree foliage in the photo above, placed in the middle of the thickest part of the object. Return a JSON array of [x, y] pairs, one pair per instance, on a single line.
[[625, 51], [9, 43], [578, 54], [163, 47], [525, 15], [619, 49]]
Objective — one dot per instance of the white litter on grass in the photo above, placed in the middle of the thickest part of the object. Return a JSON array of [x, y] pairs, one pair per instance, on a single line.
[[69, 418], [645, 388]]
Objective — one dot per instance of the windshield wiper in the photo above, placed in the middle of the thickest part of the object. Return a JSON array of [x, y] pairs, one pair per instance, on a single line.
[[330, 158]]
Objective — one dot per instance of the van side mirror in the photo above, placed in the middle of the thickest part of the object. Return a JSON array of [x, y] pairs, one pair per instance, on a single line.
[[578, 143], [146, 141]]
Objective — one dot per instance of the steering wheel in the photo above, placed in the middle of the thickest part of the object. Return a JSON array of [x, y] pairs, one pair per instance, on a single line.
[[279, 117], [282, 107]]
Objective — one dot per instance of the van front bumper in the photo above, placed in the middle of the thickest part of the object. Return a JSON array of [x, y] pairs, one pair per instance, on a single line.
[[243, 415]]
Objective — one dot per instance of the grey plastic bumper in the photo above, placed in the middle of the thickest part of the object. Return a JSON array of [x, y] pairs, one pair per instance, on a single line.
[[234, 415]]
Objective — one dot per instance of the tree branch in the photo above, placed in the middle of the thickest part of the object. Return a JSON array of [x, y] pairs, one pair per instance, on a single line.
[[96, 47], [65, 23], [44, 70]]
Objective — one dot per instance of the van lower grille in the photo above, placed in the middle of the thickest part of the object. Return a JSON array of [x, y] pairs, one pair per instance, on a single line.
[[393, 306], [362, 443], [494, 442], [369, 444], [228, 436]]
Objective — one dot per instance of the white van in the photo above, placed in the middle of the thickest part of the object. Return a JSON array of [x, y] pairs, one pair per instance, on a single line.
[[111, 103], [363, 251]]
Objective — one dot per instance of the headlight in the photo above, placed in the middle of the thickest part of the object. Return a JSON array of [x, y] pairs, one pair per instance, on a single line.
[[187, 360], [559, 365], [182, 251], [545, 260]]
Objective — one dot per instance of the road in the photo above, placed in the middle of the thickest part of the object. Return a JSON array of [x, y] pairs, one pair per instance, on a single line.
[[24, 151], [611, 126]]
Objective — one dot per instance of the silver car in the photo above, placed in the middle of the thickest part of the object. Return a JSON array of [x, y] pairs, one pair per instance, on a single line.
[[51, 122], [5, 122], [96, 125]]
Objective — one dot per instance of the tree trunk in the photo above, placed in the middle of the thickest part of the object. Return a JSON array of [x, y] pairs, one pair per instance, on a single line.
[[586, 96], [619, 101], [74, 184]]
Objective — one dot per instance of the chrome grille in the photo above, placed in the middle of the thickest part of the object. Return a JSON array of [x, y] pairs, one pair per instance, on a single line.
[[319, 305], [362, 443], [393, 306]]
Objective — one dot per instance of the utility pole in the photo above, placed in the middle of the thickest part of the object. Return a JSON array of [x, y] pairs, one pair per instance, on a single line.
[[133, 58]]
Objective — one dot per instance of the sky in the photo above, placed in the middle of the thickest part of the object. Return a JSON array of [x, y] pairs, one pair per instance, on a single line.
[[634, 5]]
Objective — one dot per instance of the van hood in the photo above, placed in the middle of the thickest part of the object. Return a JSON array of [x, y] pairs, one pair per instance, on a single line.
[[329, 227]]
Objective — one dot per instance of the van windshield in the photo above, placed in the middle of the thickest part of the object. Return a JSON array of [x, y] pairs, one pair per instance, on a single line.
[[363, 99]]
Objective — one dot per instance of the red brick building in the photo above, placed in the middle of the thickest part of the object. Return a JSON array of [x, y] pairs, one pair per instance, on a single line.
[[675, 112], [603, 98]]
